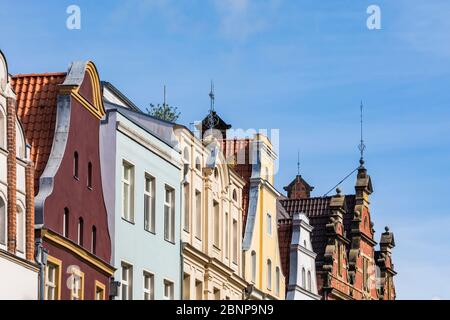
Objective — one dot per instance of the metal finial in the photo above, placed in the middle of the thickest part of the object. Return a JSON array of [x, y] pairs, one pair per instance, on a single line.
[[361, 146], [212, 119], [165, 96], [298, 163]]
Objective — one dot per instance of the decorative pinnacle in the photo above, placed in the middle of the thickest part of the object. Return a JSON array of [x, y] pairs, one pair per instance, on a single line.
[[361, 146], [212, 96], [212, 121], [386, 229]]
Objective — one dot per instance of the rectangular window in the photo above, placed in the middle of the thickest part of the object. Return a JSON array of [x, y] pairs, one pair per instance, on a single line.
[[169, 214], [52, 285], [198, 214], [235, 241], [339, 260], [149, 286], [366, 274], [168, 290], [186, 287], [3, 220], [216, 221], [20, 224], [269, 224], [198, 290], [99, 291], [149, 203], [127, 191], [187, 202], [216, 293], [127, 281], [77, 282], [227, 235]]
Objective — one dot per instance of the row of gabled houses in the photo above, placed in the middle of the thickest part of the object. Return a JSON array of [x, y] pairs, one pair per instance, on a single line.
[[99, 200]]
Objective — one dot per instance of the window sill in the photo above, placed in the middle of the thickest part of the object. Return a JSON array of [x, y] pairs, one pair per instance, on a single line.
[[128, 221], [90, 188], [170, 241], [76, 178], [150, 232]]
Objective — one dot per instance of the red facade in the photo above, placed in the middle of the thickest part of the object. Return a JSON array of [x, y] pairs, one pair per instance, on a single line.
[[61, 115]]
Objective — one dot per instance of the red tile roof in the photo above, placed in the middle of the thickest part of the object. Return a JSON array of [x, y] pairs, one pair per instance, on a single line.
[[36, 109]]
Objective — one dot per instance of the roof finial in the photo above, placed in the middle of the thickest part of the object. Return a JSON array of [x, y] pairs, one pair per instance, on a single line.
[[298, 162], [212, 96], [361, 146], [165, 96]]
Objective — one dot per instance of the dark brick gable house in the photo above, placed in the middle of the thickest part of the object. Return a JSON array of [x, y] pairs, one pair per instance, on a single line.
[[348, 265]]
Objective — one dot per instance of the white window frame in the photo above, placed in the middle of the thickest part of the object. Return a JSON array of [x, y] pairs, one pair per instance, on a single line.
[[149, 196], [187, 207], [51, 284], [21, 230], [126, 283], [128, 213], [216, 223], [235, 241], [148, 292], [169, 214], [198, 214], [171, 285], [269, 224], [227, 235]]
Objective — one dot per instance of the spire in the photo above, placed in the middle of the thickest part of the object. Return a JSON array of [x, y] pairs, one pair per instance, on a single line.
[[211, 118], [212, 96], [361, 146], [298, 162], [165, 96]]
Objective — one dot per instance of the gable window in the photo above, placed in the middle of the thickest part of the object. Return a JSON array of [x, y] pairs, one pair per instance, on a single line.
[[227, 235], [253, 266], [127, 191], [269, 224], [127, 281], [269, 274], [149, 203], [339, 259], [94, 240], [198, 165], [216, 220], [2, 130], [169, 214], [309, 281], [80, 231], [234, 195], [99, 291], [235, 241], [75, 165], [20, 224], [89, 178], [198, 214], [277, 281], [168, 290], [66, 223], [149, 286], [366, 274], [20, 143], [303, 278], [187, 202], [3, 223]]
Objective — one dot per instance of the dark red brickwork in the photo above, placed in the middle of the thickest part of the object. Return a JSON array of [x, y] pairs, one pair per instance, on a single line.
[[12, 173], [348, 266]]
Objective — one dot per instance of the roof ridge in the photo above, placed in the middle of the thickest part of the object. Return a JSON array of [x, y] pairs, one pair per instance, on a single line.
[[46, 74]]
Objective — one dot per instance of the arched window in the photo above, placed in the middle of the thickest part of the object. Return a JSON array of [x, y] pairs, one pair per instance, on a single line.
[[234, 195], [94, 240], [303, 278], [89, 179], [20, 143], [277, 281], [66, 223], [186, 154], [216, 173], [75, 164], [253, 266], [309, 280], [20, 229], [198, 164], [269, 274], [3, 223], [80, 231], [2, 129]]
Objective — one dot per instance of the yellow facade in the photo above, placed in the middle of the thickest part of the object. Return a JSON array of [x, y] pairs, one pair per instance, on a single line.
[[260, 244]]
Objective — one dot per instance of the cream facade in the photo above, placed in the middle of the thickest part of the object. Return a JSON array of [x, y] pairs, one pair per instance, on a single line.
[[262, 265], [211, 222]]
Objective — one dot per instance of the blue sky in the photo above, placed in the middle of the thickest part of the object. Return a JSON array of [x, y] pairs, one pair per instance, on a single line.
[[299, 66]]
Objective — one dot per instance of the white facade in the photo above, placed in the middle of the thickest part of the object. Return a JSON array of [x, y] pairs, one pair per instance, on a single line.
[[18, 277], [302, 268]]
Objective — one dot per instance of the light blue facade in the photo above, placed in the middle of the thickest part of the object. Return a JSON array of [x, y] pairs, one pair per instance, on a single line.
[[123, 138]]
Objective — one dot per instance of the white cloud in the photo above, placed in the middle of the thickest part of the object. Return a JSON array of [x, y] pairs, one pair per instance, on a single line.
[[240, 19]]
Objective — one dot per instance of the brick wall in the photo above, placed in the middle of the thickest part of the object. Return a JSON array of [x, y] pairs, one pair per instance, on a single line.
[[11, 172]]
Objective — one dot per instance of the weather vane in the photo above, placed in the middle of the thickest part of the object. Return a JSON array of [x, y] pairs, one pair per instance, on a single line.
[[361, 146]]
